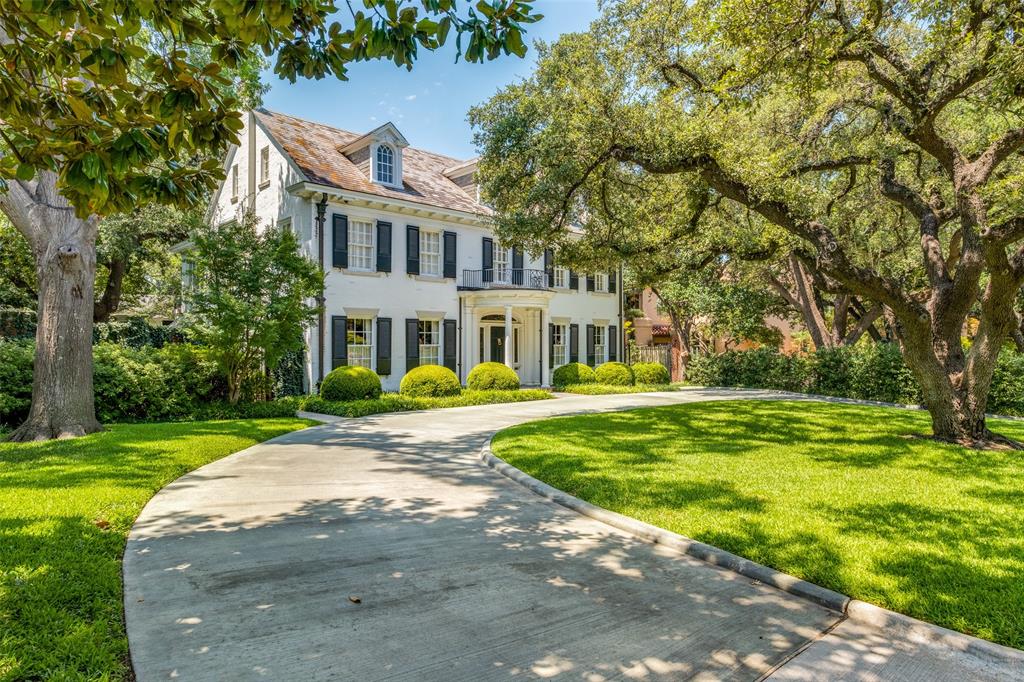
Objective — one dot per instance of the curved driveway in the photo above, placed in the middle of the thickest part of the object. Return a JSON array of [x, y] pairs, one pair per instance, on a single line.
[[380, 548]]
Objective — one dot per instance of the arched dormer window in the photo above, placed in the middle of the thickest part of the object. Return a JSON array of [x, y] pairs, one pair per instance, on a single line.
[[385, 171]]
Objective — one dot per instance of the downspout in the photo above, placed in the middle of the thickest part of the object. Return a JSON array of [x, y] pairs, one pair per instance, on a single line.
[[622, 327], [321, 213], [462, 340]]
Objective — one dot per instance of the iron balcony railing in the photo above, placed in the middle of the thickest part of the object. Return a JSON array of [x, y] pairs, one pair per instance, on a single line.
[[506, 278]]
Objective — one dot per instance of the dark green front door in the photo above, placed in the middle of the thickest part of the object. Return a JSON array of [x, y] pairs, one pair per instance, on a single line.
[[497, 344]]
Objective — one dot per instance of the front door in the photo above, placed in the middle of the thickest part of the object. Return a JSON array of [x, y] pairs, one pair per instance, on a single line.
[[497, 344]]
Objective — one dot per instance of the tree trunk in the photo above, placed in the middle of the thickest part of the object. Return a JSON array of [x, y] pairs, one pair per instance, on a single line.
[[64, 247]]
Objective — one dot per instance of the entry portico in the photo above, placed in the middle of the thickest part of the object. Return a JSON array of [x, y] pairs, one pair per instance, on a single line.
[[507, 325]]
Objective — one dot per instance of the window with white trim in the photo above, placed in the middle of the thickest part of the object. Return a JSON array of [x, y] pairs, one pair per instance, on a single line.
[[559, 345], [265, 166], [385, 171], [502, 264], [359, 333], [562, 278], [430, 342], [234, 183], [360, 245], [601, 281], [430, 253], [600, 344]]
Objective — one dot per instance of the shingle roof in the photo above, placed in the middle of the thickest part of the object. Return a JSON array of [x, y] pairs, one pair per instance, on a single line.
[[314, 149]]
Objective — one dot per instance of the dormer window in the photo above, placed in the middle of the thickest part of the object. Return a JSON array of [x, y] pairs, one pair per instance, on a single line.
[[385, 167]]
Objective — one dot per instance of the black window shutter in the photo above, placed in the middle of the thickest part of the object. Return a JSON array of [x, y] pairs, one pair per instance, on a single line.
[[412, 343], [450, 240], [613, 343], [412, 249], [591, 355], [339, 341], [383, 246], [551, 345], [574, 280], [488, 259], [549, 267], [450, 339], [611, 282], [590, 282], [383, 346], [574, 343], [340, 225], [517, 265]]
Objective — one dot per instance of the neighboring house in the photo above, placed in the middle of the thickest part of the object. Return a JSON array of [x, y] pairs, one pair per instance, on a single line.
[[413, 273]]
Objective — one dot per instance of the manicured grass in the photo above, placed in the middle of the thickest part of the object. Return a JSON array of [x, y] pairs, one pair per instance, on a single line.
[[840, 495], [396, 402], [65, 511], [607, 389]]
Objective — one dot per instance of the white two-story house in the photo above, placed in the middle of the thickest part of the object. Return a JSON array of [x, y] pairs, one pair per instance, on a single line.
[[413, 273]]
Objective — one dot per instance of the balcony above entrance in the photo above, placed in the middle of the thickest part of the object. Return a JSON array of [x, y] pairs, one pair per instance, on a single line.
[[505, 278]]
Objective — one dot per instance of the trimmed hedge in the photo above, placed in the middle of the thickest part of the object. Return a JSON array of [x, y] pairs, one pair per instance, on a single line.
[[430, 381], [492, 376], [653, 373], [614, 374], [350, 382], [608, 389], [866, 372], [396, 402], [572, 374]]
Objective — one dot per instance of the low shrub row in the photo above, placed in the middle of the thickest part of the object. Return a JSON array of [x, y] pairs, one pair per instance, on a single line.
[[611, 374], [866, 372], [608, 389], [398, 402]]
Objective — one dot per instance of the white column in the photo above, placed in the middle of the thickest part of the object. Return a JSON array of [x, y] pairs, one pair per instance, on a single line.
[[508, 336], [469, 334], [545, 349]]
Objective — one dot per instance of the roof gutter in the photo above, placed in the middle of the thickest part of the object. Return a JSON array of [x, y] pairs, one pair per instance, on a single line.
[[312, 188]]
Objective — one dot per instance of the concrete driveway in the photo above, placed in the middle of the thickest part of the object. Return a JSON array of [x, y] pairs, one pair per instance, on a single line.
[[380, 548]]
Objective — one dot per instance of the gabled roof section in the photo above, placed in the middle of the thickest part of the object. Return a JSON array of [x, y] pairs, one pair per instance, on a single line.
[[387, 133], [315, 149], [461, 169]]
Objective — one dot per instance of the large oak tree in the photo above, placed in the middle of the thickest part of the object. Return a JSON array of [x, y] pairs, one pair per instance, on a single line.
[[877, 141], [106, 104]]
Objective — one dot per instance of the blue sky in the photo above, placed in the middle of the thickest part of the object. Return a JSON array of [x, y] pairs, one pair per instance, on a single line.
[[429, 103]]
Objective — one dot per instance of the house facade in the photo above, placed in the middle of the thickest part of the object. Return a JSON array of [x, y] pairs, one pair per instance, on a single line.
[[413, 273]]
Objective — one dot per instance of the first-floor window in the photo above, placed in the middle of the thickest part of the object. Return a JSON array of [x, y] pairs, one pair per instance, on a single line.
[[601, 281], [430, 342], [430, 253], [360, 245], [560, 346], [600, 344], [562, 278], [359, 332]]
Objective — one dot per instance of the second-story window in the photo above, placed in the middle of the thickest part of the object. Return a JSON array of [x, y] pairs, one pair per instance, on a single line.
[[502, 265], [385, 172], [561, 278], [265, 166], [234, 183], [360, 245], [601, 281], [430, 253]]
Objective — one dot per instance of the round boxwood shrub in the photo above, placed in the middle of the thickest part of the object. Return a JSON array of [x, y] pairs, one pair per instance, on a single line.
[[651, 373], [572, 373], [430, 381], [492, 376], [350, 383], [614, 374]]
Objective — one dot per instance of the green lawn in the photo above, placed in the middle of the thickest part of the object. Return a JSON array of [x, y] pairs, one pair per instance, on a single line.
[[836, 494], [65, 511]]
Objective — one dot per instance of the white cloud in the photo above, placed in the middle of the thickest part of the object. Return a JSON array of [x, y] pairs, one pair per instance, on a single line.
[[409, 98], [381, 103]]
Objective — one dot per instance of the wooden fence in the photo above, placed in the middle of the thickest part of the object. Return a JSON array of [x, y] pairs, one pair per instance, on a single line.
[[651, 354]]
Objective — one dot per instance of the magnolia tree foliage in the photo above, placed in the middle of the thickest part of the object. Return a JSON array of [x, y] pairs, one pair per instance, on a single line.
[[877, 142], [248, 296], [108, 104]]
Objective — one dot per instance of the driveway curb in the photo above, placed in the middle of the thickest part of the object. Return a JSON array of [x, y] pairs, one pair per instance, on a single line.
[[853, 609]]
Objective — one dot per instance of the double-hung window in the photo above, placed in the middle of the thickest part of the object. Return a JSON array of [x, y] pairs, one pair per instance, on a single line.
[[234, 183], [601, 281], [430, 253], [360, 245], [559, 346], [600, 344], [265, 166], [561, 278], [430, 342], [502, 265], [359, 333], [385, 165]]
